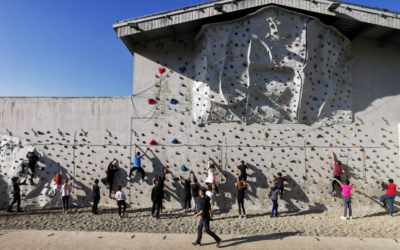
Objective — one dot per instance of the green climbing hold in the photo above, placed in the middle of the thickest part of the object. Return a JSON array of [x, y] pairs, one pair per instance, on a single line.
[[276, 32], [390, 140], [319, 136], [266, 135], [265, 80], [45, 147], [293, 161], [312, 149], [267, 51], [306, 103], [270, 149], [298, 134], [315, 99], [272, 25], [256, 98]]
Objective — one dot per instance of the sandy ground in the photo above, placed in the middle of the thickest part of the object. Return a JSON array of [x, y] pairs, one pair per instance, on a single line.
[[317, 224], [33, 239]]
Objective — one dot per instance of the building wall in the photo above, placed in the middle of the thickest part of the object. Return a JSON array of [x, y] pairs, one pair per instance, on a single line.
[[133, 121]]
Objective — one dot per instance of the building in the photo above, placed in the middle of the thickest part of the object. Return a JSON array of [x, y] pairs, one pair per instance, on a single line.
[[318, 77]]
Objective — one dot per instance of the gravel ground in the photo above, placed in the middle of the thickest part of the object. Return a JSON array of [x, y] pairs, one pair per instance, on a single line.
[[302, 223]]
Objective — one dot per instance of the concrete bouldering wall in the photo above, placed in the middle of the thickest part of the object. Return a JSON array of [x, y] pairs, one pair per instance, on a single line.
[[172, 102]]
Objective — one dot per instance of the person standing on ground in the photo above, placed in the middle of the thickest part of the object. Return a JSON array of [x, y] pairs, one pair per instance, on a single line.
[[242, 168], [390, 195], [157, 195], [96, 196], [240, 196], [65, 193], [120, 197], [211, 195], [57, 184], [205, 208], [137, 163], [33, 159], [280, 182], [273, 196], [195, 195], [336, 173], [188, 195], [109, 180], [17, 194], [346, 193]]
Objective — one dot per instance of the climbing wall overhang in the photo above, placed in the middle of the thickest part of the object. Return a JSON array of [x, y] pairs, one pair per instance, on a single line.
[[272, 66]]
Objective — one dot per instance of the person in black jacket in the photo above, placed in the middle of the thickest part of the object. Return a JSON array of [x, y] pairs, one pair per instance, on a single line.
[[205, 207], [96, 196], [17, 194], [157, 195], [33, 158], [188, 195], [109, 180]]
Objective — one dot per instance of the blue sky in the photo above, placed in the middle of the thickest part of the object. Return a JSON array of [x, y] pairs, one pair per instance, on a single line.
[[68, 47]]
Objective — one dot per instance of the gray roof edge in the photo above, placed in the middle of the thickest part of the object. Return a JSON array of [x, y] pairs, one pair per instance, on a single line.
[[367, 9]]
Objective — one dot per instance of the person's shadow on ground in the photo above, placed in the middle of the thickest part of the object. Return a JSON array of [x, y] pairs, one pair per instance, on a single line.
[[248, 239]]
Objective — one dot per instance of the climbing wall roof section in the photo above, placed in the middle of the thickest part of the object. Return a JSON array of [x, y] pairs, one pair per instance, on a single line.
[[272, 66]]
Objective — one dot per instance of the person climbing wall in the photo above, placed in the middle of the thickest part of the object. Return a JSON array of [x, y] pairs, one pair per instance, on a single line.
[[57, 184], [280, 180], [211, 180], [336, 173], [242, 168], [32, 158], [188, 195], [137, 163], [108, 181], [390, 195]]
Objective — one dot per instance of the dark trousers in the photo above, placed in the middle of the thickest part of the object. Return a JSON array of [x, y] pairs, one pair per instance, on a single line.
[[17, 199], [108, 183], [32, 171], [140, 169], [281, 189], [158, 204], [274, 207], [65, 201], [243, 177], [335, 182], [347, 204], [123, 204], [216, 187], [95, 204], [205, 222], [187, 200], [241, 205]]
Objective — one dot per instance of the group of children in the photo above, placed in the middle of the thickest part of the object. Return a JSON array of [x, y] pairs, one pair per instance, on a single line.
[[192, 188]]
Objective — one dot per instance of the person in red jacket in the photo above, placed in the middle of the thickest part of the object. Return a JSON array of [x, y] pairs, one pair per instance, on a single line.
[[390, 195], [336, 174]]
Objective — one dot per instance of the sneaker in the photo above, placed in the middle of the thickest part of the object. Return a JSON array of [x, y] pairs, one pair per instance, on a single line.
[[240, 216], [351, 217], [245, 217], [10, 211], [343, 218], [196, 244], [152, 215], [20, 211], [391, 216], [219, 243], [333, 192], [218, 194], [128, 178], [384, 206], [271, 216], [277, 214]]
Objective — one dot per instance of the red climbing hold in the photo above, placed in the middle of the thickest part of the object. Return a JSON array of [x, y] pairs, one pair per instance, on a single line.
[[151, 101], [161, 70], [153, 142], [165, 171]]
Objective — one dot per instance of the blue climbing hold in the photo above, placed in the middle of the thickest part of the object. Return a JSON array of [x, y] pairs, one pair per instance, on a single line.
[[182, 69], [174, 178], [173, 101], [183, 168], [193, 122], [186, 63], [175, 141], [181, 123], [181, 77]]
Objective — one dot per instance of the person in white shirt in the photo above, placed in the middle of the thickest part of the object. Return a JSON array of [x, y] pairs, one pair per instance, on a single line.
[[210, 194], [65, 193], [211, 180], [120, 197]]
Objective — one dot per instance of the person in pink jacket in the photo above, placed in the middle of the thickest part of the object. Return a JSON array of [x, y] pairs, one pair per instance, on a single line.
[[346, 193]]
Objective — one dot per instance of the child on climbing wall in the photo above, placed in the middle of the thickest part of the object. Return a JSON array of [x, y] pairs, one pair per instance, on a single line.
[[390, 195], [17, 194], [57, 184], [96, 196], [188, 195], [211, 180], [280, 181], [273, 196], [242, 168], [137, 163], [32, 158], [120, 197], [242, 187], [346, 193], [336, 173], [109, 180]]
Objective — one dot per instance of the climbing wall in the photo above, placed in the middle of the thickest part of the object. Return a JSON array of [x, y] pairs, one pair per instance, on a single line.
[[230, 92]]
